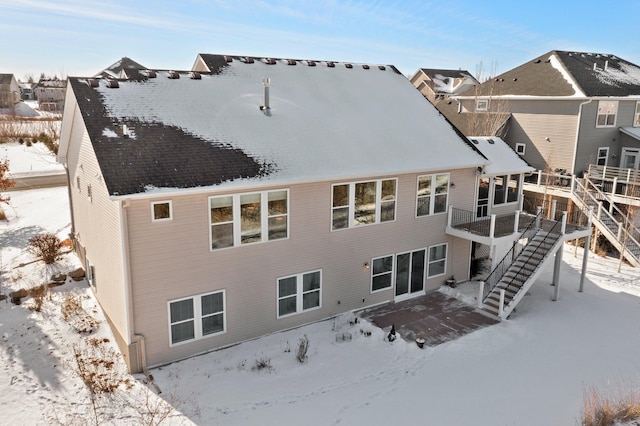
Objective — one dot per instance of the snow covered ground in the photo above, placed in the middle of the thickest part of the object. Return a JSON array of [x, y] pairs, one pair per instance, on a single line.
[[530, 370]]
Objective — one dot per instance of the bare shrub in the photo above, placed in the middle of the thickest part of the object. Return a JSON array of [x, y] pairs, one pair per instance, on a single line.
[[303, 347], [5, 183], [262, 364], [73, 313], [97, 367], [37, 295], [46, 246], [604, 411]]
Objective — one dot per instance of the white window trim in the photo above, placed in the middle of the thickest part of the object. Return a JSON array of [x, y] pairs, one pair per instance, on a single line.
[[392, 272], [615, 116], [636, 115], [484, 102], [521, 148], [299, 294], [606, 157], [264, 218], [429, 261], [352, 202], [164, 219], [197, 317], [432, 199]]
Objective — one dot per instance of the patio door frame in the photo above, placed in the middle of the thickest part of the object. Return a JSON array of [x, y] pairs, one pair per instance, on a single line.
[[413, 268], [630, 152], [484, 210]]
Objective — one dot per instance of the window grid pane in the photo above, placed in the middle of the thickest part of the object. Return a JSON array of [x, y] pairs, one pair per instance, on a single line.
[[365, 203], [161, 211], [250, 219]]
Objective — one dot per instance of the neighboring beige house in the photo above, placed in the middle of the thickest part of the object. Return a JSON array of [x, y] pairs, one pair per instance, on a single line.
[[437, 84], [252, 195], [9, 91]]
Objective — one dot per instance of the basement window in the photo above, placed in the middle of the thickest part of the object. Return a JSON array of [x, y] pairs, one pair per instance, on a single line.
[[161, 211]]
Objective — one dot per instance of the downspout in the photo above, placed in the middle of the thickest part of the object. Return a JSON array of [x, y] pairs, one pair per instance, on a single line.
[[126, 264], [66, 169], [575, 147]]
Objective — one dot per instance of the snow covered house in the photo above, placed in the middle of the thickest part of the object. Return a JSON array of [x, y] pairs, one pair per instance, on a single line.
[[440, 84], [251, 195]]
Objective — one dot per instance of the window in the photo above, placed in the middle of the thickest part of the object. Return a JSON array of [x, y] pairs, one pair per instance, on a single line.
[[89, 193], [636, 116], [299, 293], [520, 148], [161, 210], [197, 317], [482, 105], [363, 203], [248, 218], [607, 111], [437, 260], [78, 184], [506, 189], [381, 273], [603, 155], [433, 191]]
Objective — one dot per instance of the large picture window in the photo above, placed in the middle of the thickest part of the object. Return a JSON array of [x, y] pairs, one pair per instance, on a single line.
[[248, 218], [363, 203], [196, 317], [506, 189], [299, 293], [607, 111], [432, 194]]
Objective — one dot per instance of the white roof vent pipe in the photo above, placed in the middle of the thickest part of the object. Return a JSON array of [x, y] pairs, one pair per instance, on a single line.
[[266, 108], [606, 65]]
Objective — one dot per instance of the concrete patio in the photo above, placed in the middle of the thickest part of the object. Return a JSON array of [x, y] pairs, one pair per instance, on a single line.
[[435, 317]]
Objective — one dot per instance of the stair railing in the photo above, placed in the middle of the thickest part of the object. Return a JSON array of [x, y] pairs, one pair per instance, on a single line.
[[623, 231], [538, 248], [501, 268]]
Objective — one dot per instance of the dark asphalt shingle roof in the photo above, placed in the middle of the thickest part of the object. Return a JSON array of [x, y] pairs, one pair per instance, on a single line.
[[543, 76]]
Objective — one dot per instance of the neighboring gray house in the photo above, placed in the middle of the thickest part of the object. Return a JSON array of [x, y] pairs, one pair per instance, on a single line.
[[437, 84], [9, 91], [252, 195], [567, 110]]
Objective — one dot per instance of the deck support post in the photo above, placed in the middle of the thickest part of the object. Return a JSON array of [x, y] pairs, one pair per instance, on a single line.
[[585, 259], [480, 294], [516, 221], [552, 216], [492, 226], [501, 306], [556, 273]]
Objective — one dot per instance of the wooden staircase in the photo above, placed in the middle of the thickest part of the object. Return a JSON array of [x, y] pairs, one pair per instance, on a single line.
[[522, 273]]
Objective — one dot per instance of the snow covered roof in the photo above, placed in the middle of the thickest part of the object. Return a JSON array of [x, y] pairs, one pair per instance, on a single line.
[[503, 159], [634, 132], [570, 74], [449, 81], [325, 121], [125, 68]]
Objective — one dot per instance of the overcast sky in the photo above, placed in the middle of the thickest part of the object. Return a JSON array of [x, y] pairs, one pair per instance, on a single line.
[[82, 37]]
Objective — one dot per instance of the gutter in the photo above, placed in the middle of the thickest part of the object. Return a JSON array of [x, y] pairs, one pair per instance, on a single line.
[[575, 146]]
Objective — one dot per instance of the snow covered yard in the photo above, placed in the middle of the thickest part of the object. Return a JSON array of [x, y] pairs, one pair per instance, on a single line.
[[530, 370]]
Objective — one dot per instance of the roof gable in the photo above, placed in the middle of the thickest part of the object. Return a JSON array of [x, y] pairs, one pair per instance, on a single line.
[[325, 121], [569, 74]]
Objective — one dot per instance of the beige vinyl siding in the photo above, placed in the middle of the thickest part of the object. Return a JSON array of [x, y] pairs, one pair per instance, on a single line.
[[171, 260], [97, 226]]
